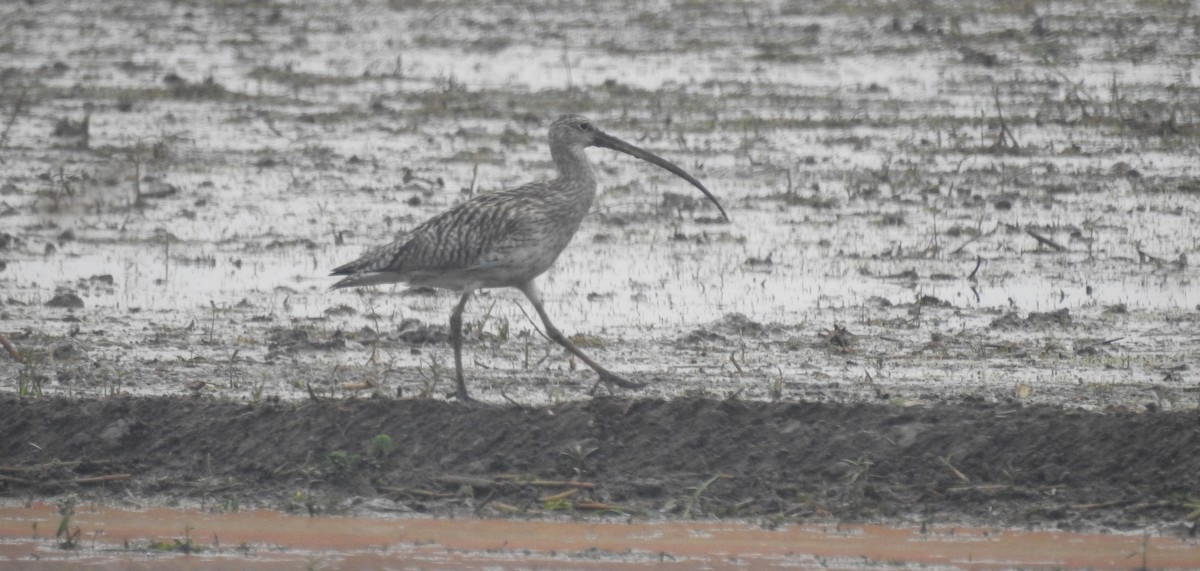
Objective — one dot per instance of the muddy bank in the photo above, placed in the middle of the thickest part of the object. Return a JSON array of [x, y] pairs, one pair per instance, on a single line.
[[957, 462]]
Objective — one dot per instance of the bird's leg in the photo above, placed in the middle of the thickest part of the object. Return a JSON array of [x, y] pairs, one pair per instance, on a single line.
[[456, 339], [607, 377]]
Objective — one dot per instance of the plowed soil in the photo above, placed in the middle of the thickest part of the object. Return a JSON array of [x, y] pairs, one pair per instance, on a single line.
[[962, 462]]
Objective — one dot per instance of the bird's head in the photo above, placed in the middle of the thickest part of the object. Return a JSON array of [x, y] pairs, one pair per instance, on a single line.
[[573, 131], [578, 132]]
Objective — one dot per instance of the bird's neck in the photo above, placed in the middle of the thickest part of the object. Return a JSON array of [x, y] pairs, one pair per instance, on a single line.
[[574, 170]]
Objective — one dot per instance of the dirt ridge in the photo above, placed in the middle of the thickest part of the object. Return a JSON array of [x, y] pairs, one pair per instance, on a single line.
[[968, 461]]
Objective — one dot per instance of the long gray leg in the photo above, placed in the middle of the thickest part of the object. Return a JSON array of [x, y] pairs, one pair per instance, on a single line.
[[456, 340], [607, 377]]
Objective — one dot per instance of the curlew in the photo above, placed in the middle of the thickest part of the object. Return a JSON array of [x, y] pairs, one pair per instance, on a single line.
[[506, 238]]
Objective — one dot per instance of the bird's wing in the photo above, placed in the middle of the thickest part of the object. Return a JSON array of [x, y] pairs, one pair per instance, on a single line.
[[458, 239]]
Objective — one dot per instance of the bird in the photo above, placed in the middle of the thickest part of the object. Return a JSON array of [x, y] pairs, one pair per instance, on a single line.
[[506, 238]]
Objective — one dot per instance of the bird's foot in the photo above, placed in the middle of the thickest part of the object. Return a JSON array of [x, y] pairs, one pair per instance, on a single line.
[[610, 379]]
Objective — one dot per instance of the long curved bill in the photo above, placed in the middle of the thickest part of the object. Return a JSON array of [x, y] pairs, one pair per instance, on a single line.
[[607, 141]]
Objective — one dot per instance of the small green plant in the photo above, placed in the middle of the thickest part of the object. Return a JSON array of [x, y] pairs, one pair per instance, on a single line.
[[478, 326], [697, 494], [308, 501], [578, 453], [234, 373], [431, 380], [182, 545], [861, 469], [314, 563], [381, 446], [118, 378], [29, 377], [256, 391], [341, 461], [775, 391], [68, 537], [1194, 506]]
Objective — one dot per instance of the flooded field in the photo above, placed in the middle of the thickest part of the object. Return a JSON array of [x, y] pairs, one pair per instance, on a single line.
[[936, 209], [928, 201]]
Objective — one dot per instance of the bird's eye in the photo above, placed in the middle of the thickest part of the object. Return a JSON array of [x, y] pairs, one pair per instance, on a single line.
[[585, 126]]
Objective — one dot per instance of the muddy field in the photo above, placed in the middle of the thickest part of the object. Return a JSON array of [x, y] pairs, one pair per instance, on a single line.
[[957, 284]]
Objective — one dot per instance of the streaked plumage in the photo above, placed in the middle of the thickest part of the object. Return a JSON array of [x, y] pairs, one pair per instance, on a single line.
[[505, 238]]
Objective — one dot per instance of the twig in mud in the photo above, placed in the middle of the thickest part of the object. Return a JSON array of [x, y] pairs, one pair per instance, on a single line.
[[1085, 348], [266, 117], [359, 385], [510, 400], [733, 359], [533, 325], [1101, 505], [1046, 241], [504, 508], [12, 351], [838, 338], [481, 483], [474, 177], [48, 465], [559, 497], [946, 460], [409, 176], [1078, 95], [524, 481], [982, 488], [1005, 141], [598, 506], [312, 393], [973, 240], [98, 479], [417, 492], [978, 262], [135, 156], [560, 483], [1143, 257], [484, 502], [1152, 505], [87, 480], [12, 119]]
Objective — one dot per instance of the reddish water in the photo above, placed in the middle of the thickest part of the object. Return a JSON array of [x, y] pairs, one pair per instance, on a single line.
[[269, 540]]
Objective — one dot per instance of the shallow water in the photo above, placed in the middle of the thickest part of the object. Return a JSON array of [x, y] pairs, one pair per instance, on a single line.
[[138, 539]]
